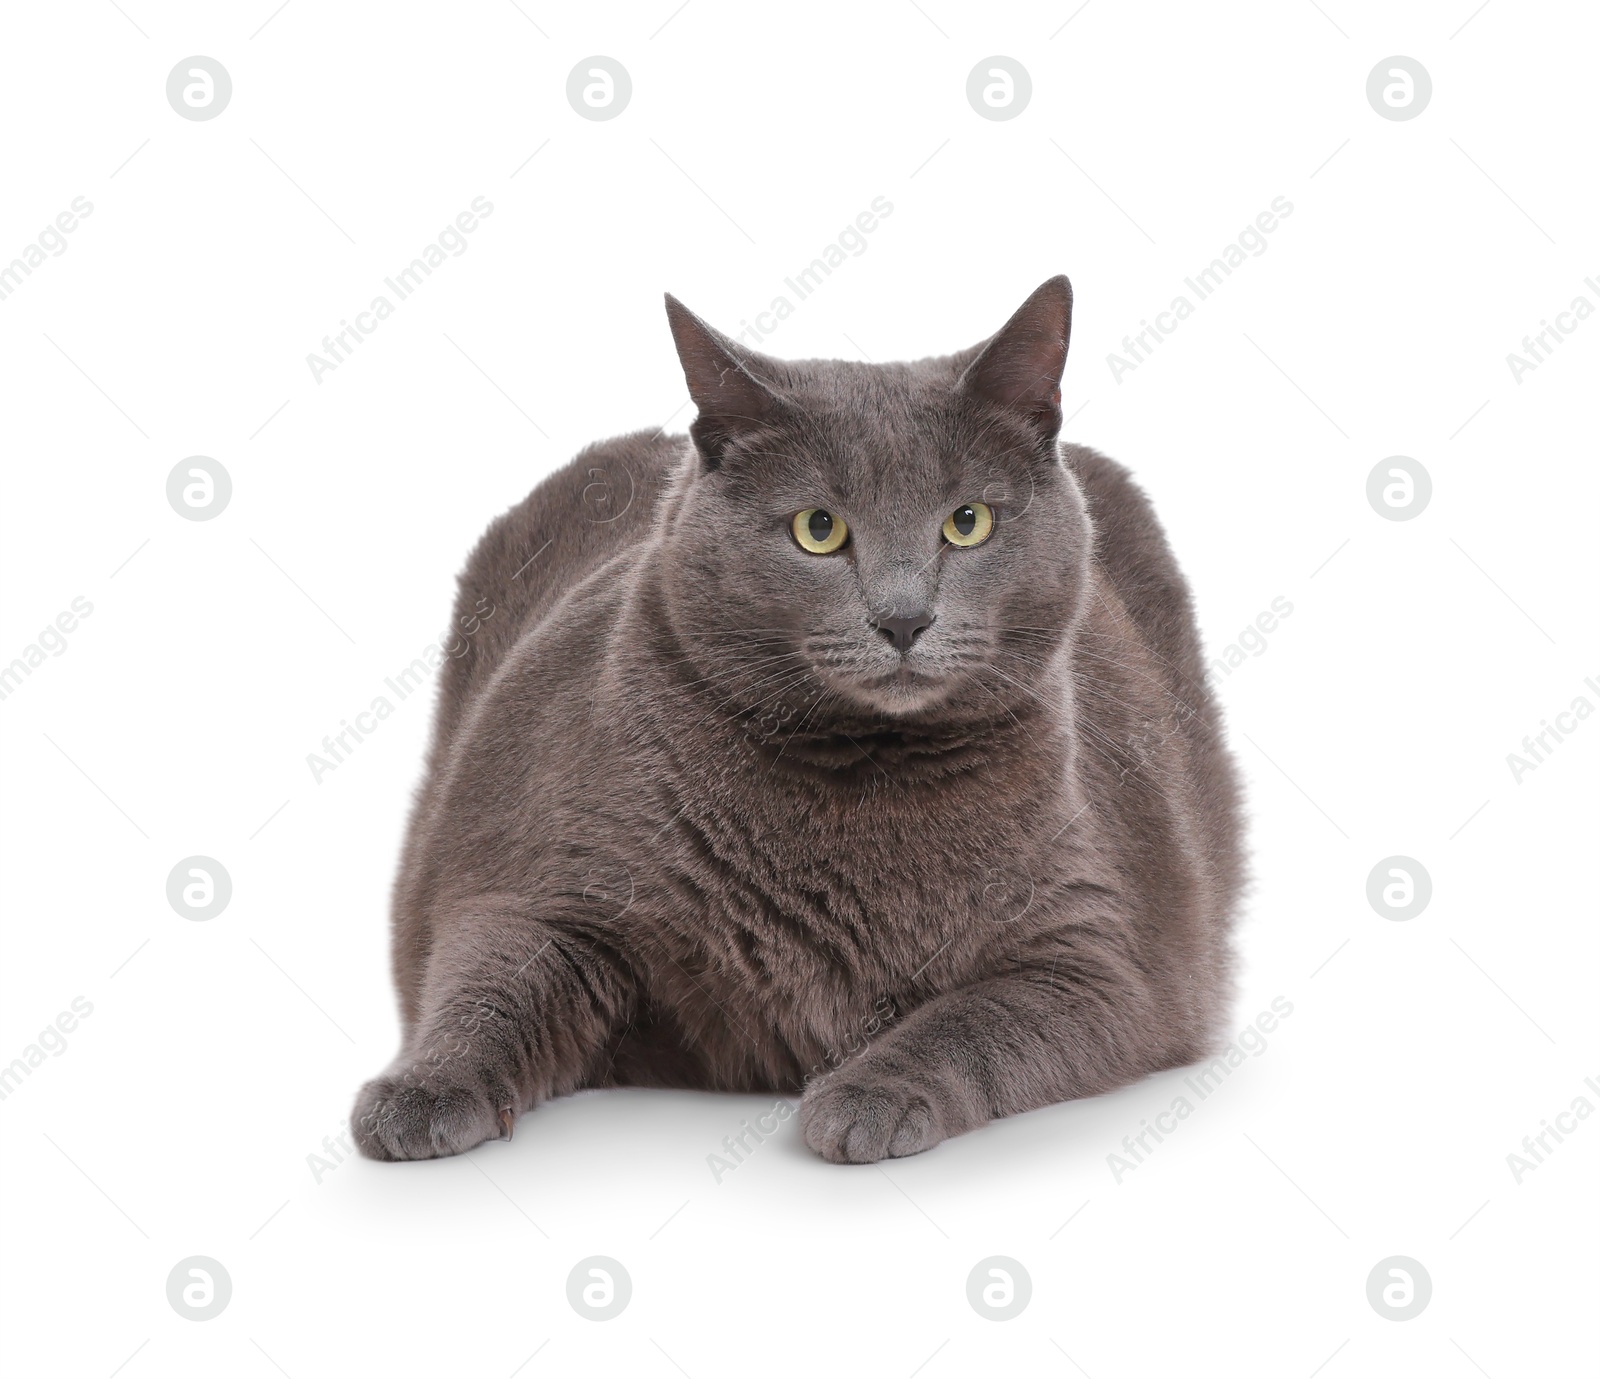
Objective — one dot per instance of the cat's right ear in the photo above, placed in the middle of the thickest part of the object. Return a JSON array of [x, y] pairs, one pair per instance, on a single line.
[[722, 383]]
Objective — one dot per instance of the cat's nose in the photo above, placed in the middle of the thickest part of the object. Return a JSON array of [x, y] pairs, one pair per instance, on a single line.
[[903, 631]]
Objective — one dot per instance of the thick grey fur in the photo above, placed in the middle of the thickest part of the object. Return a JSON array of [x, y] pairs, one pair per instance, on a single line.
[[691, 819]]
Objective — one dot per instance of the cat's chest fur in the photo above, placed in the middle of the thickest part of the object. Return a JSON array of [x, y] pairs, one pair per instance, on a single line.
[[802, 901]]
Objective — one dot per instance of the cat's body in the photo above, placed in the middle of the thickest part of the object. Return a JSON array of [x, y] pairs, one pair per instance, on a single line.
[[682, 826]]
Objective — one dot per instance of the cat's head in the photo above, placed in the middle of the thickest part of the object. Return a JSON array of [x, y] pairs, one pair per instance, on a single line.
[[899, 541]]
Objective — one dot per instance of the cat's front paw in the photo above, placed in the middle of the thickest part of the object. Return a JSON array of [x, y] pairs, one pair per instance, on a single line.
[[858, 1117], [413, 1114]]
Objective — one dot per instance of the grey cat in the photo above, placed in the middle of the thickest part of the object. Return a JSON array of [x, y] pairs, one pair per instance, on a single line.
[[857, 745]]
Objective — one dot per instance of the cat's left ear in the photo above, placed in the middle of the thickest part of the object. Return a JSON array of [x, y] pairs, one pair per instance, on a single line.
[[1020, 367]]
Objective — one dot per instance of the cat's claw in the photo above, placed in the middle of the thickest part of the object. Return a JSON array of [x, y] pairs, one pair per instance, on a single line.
[[507, 1119]]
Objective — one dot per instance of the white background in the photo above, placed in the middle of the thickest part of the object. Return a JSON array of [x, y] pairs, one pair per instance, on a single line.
[[1377, 721]]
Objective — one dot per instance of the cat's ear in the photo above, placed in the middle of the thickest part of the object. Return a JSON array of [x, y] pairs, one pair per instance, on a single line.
[[1019, 368], [722, 382]]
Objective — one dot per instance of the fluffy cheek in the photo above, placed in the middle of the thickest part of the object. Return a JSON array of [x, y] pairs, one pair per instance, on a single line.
[[1040, 587], [748, 609]]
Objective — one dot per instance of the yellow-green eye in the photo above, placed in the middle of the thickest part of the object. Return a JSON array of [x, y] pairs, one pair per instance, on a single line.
[[819, 531], [969, 525]]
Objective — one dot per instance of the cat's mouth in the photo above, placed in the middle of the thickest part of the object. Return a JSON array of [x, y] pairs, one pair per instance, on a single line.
[[907, 674], [906, 688]]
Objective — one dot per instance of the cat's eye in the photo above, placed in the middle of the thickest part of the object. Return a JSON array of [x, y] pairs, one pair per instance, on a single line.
[[819, 531], [969, 525]]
